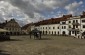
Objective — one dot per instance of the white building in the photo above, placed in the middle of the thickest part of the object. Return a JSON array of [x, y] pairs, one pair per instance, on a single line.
[[74, 26], [66, 25], [54, 26]]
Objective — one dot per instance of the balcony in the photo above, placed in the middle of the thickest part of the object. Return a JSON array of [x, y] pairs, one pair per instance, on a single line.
[[73, 29], [75, 23]]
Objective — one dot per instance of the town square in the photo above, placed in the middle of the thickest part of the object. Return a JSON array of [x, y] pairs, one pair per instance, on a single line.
[[42, 27], [48, 45]]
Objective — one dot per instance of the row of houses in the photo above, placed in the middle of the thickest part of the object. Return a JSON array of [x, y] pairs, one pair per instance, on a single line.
[[13, 28], [65, 25]]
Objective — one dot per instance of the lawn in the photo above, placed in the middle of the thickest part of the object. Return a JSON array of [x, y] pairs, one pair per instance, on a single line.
[[48, 45]]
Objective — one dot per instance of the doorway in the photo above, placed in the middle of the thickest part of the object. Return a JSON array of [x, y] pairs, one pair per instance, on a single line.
[[64, 33]]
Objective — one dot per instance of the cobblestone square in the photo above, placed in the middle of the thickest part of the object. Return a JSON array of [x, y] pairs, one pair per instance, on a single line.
[[48, 45]]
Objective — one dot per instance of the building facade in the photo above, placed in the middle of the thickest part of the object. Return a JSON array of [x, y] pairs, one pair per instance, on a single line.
[[12, 26], [54, 26], [27, 28], [66, 25], [74, 26]]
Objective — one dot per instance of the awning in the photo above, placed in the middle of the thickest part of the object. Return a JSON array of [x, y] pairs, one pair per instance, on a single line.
[[3, 30]]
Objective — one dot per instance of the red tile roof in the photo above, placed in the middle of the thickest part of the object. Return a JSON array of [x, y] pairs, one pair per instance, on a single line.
[[53, 20], [26, 26]]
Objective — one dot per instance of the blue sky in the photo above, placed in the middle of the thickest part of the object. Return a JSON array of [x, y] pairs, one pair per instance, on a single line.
[[61, 11], [27, 11]]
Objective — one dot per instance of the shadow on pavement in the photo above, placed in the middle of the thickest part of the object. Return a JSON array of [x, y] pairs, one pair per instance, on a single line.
[[3, 52], [11, 40]]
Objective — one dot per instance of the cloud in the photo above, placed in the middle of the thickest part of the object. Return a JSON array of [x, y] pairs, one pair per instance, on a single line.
[[73, 8], [31, 6], [8, 11], [26, 11]]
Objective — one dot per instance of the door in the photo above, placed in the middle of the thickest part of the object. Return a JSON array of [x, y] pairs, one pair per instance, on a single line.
[[69, 32], [64, 33], [75, 33]]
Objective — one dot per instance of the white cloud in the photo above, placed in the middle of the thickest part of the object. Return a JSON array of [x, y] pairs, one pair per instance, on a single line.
[[32, 10], [7, 12], [73, 7], [28, 10], [48, 4]]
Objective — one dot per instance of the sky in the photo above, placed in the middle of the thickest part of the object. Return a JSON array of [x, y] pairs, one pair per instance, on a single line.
[[27, 11]]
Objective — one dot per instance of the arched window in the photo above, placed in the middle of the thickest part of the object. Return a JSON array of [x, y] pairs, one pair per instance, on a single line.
[[46, 32], [64, 33], [52, 32], [58, 32]]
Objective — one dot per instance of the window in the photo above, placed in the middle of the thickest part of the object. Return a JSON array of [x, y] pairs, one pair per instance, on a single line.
[[58, 27], [69, 21], [53, 27], [76, 21], [73, 26], [55, 32], [83, 26], [49, 28], [46, 27], [72, 32], [43, 27], [64, 27], [52, 32], [58, 32], [76, 26], [83, 20], [63, 22], [46, 32]]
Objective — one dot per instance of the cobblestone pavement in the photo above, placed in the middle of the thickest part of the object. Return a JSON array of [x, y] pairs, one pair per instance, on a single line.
[[48, 45]]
